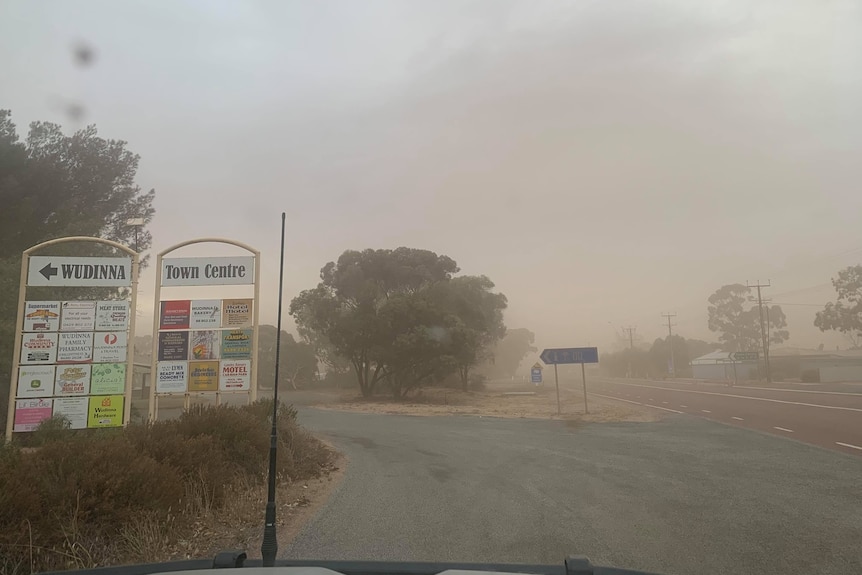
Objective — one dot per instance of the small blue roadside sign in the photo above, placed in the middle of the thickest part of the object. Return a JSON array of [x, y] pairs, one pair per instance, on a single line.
[[536, 374]]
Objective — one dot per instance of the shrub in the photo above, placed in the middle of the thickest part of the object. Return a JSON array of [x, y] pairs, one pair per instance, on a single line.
[[88, 497]]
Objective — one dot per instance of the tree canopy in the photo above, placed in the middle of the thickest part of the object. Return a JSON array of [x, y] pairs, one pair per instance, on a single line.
[[53, 185], [738, 322], [400, 317], [845, 314]]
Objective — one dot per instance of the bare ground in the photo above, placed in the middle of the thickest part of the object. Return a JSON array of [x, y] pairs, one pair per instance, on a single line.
[[498, 400], [239, 525]]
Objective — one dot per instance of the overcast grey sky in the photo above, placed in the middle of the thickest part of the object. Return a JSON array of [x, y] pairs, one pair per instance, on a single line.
[[602, 162]]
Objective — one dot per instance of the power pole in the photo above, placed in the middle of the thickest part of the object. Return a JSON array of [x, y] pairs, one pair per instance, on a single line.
[[631, 331], [670, 341], [765, 348]]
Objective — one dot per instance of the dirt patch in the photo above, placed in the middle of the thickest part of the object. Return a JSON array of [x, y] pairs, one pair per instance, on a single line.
[[297, 503], [518, 401]]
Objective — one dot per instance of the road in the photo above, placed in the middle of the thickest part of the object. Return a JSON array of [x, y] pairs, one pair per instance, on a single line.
[[819, 415], [679, 496]]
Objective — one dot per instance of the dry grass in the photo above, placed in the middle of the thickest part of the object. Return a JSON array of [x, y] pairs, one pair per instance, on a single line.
[[174, 489], [498, 401]]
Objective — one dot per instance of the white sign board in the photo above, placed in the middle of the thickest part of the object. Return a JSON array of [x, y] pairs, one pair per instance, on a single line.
[[42, 316], [205, 313], [73, 379], [110, 347], [235, 375], [39, 348], [35, 381], [172, 376], [74, 409], [112, 315], [76, 347], [79, 271], [237, 270], [78, 316]]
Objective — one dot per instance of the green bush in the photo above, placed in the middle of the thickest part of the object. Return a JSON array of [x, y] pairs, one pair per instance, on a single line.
[[63, 502]]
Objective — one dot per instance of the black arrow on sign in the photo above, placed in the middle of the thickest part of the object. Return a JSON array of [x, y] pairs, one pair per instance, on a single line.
[[48, 271]]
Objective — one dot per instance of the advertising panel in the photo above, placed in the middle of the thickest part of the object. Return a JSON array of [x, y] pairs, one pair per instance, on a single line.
[[235, 375], [174, 314], [203, 375], [236, 313], [72, 379], [29, 413], [105, 411], [78, 316], [76, 347], [205, 313], [112, 315], [108, 379], [172, 376], [35, 381], [236, 344], [173, 346], [42, 316], [74, 409], [110, 347], [38, 348], [205, 344]]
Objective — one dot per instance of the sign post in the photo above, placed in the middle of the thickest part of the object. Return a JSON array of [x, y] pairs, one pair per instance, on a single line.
[[74, 358], [205, 345], [742, 356], [568, 355]]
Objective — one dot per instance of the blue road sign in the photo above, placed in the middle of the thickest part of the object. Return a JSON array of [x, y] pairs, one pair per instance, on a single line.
[[535, 375], [570, 355]]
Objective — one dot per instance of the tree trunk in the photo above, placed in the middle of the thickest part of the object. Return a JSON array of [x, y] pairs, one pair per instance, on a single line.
[[464, 372]]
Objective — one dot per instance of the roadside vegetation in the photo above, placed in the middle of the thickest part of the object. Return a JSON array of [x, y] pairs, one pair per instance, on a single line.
[[85, 498]]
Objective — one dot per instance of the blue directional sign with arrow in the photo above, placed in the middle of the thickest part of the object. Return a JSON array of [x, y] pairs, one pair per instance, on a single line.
[[570, 355]]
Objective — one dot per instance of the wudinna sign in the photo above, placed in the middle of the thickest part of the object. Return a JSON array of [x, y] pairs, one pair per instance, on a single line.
[[72, 356], [567, 355]]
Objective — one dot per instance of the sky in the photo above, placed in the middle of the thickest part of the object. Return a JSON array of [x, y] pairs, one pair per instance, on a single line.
[[602, 162]]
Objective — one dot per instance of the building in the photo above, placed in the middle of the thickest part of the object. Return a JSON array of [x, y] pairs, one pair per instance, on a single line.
[[717, 366], [786, 364]]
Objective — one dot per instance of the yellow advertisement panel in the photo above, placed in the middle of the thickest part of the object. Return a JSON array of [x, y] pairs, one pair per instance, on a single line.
[[105, 411], [203, 375]]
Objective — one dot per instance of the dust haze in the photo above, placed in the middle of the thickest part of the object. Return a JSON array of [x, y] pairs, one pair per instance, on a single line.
[[601, 162]]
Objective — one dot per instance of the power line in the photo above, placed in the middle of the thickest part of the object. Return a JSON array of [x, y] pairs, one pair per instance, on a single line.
[[763, 336], [670, 341]]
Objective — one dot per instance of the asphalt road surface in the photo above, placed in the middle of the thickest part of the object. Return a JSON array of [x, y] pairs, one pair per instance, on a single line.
[[680, 496], [819, 415]]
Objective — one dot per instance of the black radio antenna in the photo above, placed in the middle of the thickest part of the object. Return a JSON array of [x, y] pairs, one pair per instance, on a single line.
[[269, 547]]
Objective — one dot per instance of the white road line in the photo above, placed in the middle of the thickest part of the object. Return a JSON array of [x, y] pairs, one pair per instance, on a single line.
[[635, 402], [783, 429], [737, 418], [850, 445], [706, 411], [798, 390], [856, 409], [681, 405], [662, 408]]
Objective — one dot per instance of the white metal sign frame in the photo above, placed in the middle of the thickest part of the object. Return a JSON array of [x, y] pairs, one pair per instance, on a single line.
[[101, 273], [194, 279]]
